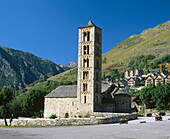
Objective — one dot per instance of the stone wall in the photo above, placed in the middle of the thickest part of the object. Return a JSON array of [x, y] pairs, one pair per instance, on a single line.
[[67, 121], [62, 106]]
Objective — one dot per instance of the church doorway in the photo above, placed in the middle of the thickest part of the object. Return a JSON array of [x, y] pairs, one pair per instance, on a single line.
[[66, 115]]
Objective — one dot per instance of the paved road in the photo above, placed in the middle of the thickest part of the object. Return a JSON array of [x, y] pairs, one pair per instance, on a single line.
[[133, 130]]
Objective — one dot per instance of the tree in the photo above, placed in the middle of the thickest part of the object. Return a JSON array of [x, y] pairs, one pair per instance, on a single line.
[[121, 74], [33, 102], [115, 74], [147, 95], [163, 97], [156, 96], [6, 96]]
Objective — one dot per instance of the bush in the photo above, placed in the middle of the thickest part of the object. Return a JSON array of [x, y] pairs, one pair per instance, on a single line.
[[87, 116], [53, 116]]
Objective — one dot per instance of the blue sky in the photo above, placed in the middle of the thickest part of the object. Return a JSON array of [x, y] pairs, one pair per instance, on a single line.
[[49, 28]]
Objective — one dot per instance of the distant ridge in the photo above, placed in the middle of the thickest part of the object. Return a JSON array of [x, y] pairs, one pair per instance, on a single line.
[[18, 68], [70, 65]]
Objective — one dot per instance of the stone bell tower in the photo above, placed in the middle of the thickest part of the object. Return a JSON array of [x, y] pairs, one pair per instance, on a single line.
[[89, 67]]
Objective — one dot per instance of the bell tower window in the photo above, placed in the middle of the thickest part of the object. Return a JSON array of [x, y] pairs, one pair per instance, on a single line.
[[88, 36], [86, 49], [84, 87], [85, 75], [84, 37], [85, 63], [84, 99]]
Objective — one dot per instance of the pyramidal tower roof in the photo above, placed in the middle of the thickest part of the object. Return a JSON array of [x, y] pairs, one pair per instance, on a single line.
[[89, 24]]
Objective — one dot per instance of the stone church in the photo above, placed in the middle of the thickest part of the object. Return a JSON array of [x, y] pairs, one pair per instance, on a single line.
[[90, 95]]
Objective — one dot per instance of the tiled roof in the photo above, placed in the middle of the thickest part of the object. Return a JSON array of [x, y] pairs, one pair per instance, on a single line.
[[64, 91], [69, 91], [89, 24]]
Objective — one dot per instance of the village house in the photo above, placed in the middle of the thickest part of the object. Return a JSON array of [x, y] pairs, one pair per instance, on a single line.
[[149, 80], [156, 78], [133, 73], [167, 79], [133, 82], [160, 78]]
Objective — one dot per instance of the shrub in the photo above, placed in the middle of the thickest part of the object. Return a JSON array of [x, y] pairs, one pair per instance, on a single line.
[[53, 116]]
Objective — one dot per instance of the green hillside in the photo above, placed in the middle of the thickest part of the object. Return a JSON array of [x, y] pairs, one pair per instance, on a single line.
[[154, 42]]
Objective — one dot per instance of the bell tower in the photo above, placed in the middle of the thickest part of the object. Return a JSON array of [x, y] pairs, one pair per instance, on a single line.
[[89, 66]]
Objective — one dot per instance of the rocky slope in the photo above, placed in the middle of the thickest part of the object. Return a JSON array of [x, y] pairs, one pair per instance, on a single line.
[[70, 65], [19, 69]]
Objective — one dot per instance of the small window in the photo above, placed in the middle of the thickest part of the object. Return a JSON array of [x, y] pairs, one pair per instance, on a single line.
[[85, 87], [84, 36], [87, 62], [84, 62], [84, 99], [66, 115], [87, 49], [88, 36], [85, 75], [73, 103]]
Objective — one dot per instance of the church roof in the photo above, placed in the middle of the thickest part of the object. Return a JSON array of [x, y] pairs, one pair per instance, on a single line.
[[64, 91], [121, 92], [89, 24], [69, 91]]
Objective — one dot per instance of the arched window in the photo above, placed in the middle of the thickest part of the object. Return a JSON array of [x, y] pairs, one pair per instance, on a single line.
[[84, 99], [85, 87], [87, 49], [66, 115], [84, 62], [85, 75], [88, 36], [87, 62], [84, 50], [84, 36]]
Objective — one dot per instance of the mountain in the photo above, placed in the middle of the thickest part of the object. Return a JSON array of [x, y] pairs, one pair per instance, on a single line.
[[19, 69], [72, 64], [154, 41]]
